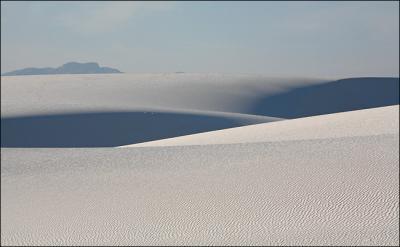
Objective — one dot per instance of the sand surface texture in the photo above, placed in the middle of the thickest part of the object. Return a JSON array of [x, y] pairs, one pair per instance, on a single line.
[[327, 177]]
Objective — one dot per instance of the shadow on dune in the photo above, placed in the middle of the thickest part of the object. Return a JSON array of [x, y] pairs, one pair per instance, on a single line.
[[106, 129], [337, 96]]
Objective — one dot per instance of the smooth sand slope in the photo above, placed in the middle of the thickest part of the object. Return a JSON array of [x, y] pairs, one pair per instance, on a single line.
[[246, 94], [321, 180], [355, 123], [334, 191], [51, 94]]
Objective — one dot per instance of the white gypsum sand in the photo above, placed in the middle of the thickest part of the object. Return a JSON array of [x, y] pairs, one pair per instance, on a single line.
[[322, 191], [51, 94], [326, 191], [320, 180], [121, 109]]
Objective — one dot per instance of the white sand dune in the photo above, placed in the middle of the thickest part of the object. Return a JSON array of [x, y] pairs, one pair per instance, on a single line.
[[321, 180], [52, 94], [120, 109], [341, 191], [245, 94], [376, 121]]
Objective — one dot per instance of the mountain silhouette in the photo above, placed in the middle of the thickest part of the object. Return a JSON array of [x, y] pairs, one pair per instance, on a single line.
[[68, 68]]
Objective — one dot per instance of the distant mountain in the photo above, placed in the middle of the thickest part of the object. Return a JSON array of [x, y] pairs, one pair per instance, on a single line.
[[68, 68]]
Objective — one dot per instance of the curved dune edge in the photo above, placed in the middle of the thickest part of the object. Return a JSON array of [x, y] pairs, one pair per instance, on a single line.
[[114, 128], [376, 121]]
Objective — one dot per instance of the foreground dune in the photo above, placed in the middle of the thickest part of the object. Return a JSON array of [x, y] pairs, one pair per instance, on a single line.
[[336, 190]]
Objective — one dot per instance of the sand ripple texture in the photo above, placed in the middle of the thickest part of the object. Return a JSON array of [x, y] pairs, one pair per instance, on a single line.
[[338, 191]]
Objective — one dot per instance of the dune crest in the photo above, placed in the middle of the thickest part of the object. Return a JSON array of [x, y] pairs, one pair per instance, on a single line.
[[376, 121]]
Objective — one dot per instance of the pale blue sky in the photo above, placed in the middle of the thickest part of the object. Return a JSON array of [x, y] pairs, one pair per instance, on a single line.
[[312, 39]]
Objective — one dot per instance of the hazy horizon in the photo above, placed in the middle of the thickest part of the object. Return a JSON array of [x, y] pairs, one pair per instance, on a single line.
[[293, 39]]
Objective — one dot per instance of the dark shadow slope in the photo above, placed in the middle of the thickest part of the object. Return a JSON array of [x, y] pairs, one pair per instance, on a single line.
[[337, 96], [106, 129]]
